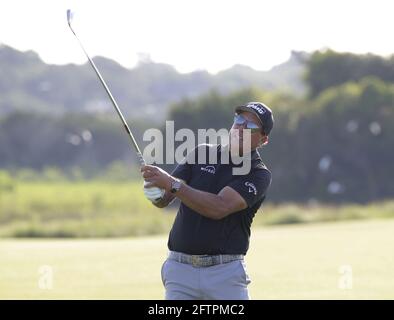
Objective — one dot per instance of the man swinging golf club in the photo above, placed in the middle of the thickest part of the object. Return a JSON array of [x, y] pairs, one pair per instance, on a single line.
[[210, 234], [211, 231]]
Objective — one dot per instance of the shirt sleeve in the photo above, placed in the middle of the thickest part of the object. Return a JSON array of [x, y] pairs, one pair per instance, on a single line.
[[253, 186]]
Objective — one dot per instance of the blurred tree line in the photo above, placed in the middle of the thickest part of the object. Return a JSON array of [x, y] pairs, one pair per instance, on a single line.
[[336, 144], [145, 91], [333, 144], [329, 69], [335, 147], [92, 143]]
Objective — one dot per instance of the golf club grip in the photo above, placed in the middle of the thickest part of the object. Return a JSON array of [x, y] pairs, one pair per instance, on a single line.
[[115, 105]]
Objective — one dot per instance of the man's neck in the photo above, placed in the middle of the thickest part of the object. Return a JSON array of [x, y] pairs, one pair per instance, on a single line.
[[240, 155]]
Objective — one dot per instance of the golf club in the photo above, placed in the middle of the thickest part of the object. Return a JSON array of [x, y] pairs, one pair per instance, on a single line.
[[134, 143]]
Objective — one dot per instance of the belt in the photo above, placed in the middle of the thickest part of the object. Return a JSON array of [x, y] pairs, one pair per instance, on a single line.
[[203, 260]]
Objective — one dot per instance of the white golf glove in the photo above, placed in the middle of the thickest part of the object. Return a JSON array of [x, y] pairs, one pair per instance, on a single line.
[[153, 194]]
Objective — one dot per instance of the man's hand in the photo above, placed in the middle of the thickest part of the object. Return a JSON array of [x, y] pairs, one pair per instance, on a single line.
[[214, 206], [156, 177], [153, 194]]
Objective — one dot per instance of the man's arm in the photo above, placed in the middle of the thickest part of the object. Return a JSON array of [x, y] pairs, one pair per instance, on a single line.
[[214, 206]]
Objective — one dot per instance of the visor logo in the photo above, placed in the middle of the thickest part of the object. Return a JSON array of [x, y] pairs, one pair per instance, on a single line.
[[256, 107]]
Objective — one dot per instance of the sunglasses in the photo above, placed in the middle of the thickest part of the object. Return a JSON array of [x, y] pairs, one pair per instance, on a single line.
[[241, 120]]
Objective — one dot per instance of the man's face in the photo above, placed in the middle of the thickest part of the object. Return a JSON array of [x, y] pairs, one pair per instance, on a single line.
[[239, 134]]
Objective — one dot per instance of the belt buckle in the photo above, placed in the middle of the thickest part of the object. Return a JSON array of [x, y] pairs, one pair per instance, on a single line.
[[195, 261]]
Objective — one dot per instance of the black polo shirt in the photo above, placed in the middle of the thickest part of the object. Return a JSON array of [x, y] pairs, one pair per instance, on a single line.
[[193, 233]]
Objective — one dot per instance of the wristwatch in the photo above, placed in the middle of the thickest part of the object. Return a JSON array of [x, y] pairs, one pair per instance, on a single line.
[[175, 186]]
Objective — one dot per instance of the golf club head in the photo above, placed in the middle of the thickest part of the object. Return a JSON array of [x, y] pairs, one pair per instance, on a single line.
[[70, 16]]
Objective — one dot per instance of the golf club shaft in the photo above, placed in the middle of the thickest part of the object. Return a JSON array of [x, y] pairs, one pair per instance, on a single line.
[[134, 142]]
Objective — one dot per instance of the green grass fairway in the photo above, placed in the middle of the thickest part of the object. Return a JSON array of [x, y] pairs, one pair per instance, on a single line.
[[284, 262]]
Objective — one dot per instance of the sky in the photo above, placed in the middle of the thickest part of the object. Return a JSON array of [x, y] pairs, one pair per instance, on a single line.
[[197, 34]]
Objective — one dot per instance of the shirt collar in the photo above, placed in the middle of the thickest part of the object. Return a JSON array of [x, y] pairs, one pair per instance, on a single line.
[[254, 155]]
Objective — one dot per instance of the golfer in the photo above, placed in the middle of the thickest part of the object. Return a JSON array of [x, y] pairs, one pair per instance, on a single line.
[[211, 231]]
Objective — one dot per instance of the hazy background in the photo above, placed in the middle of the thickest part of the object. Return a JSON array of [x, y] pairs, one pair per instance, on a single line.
[[334, 110], [67, 169], [203, 35]]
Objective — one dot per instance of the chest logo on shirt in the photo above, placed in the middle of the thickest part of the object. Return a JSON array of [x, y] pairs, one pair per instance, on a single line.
[[252, 187], [209, 169]]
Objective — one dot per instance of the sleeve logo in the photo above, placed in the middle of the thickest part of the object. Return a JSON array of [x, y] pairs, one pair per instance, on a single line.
[[251, 187]]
